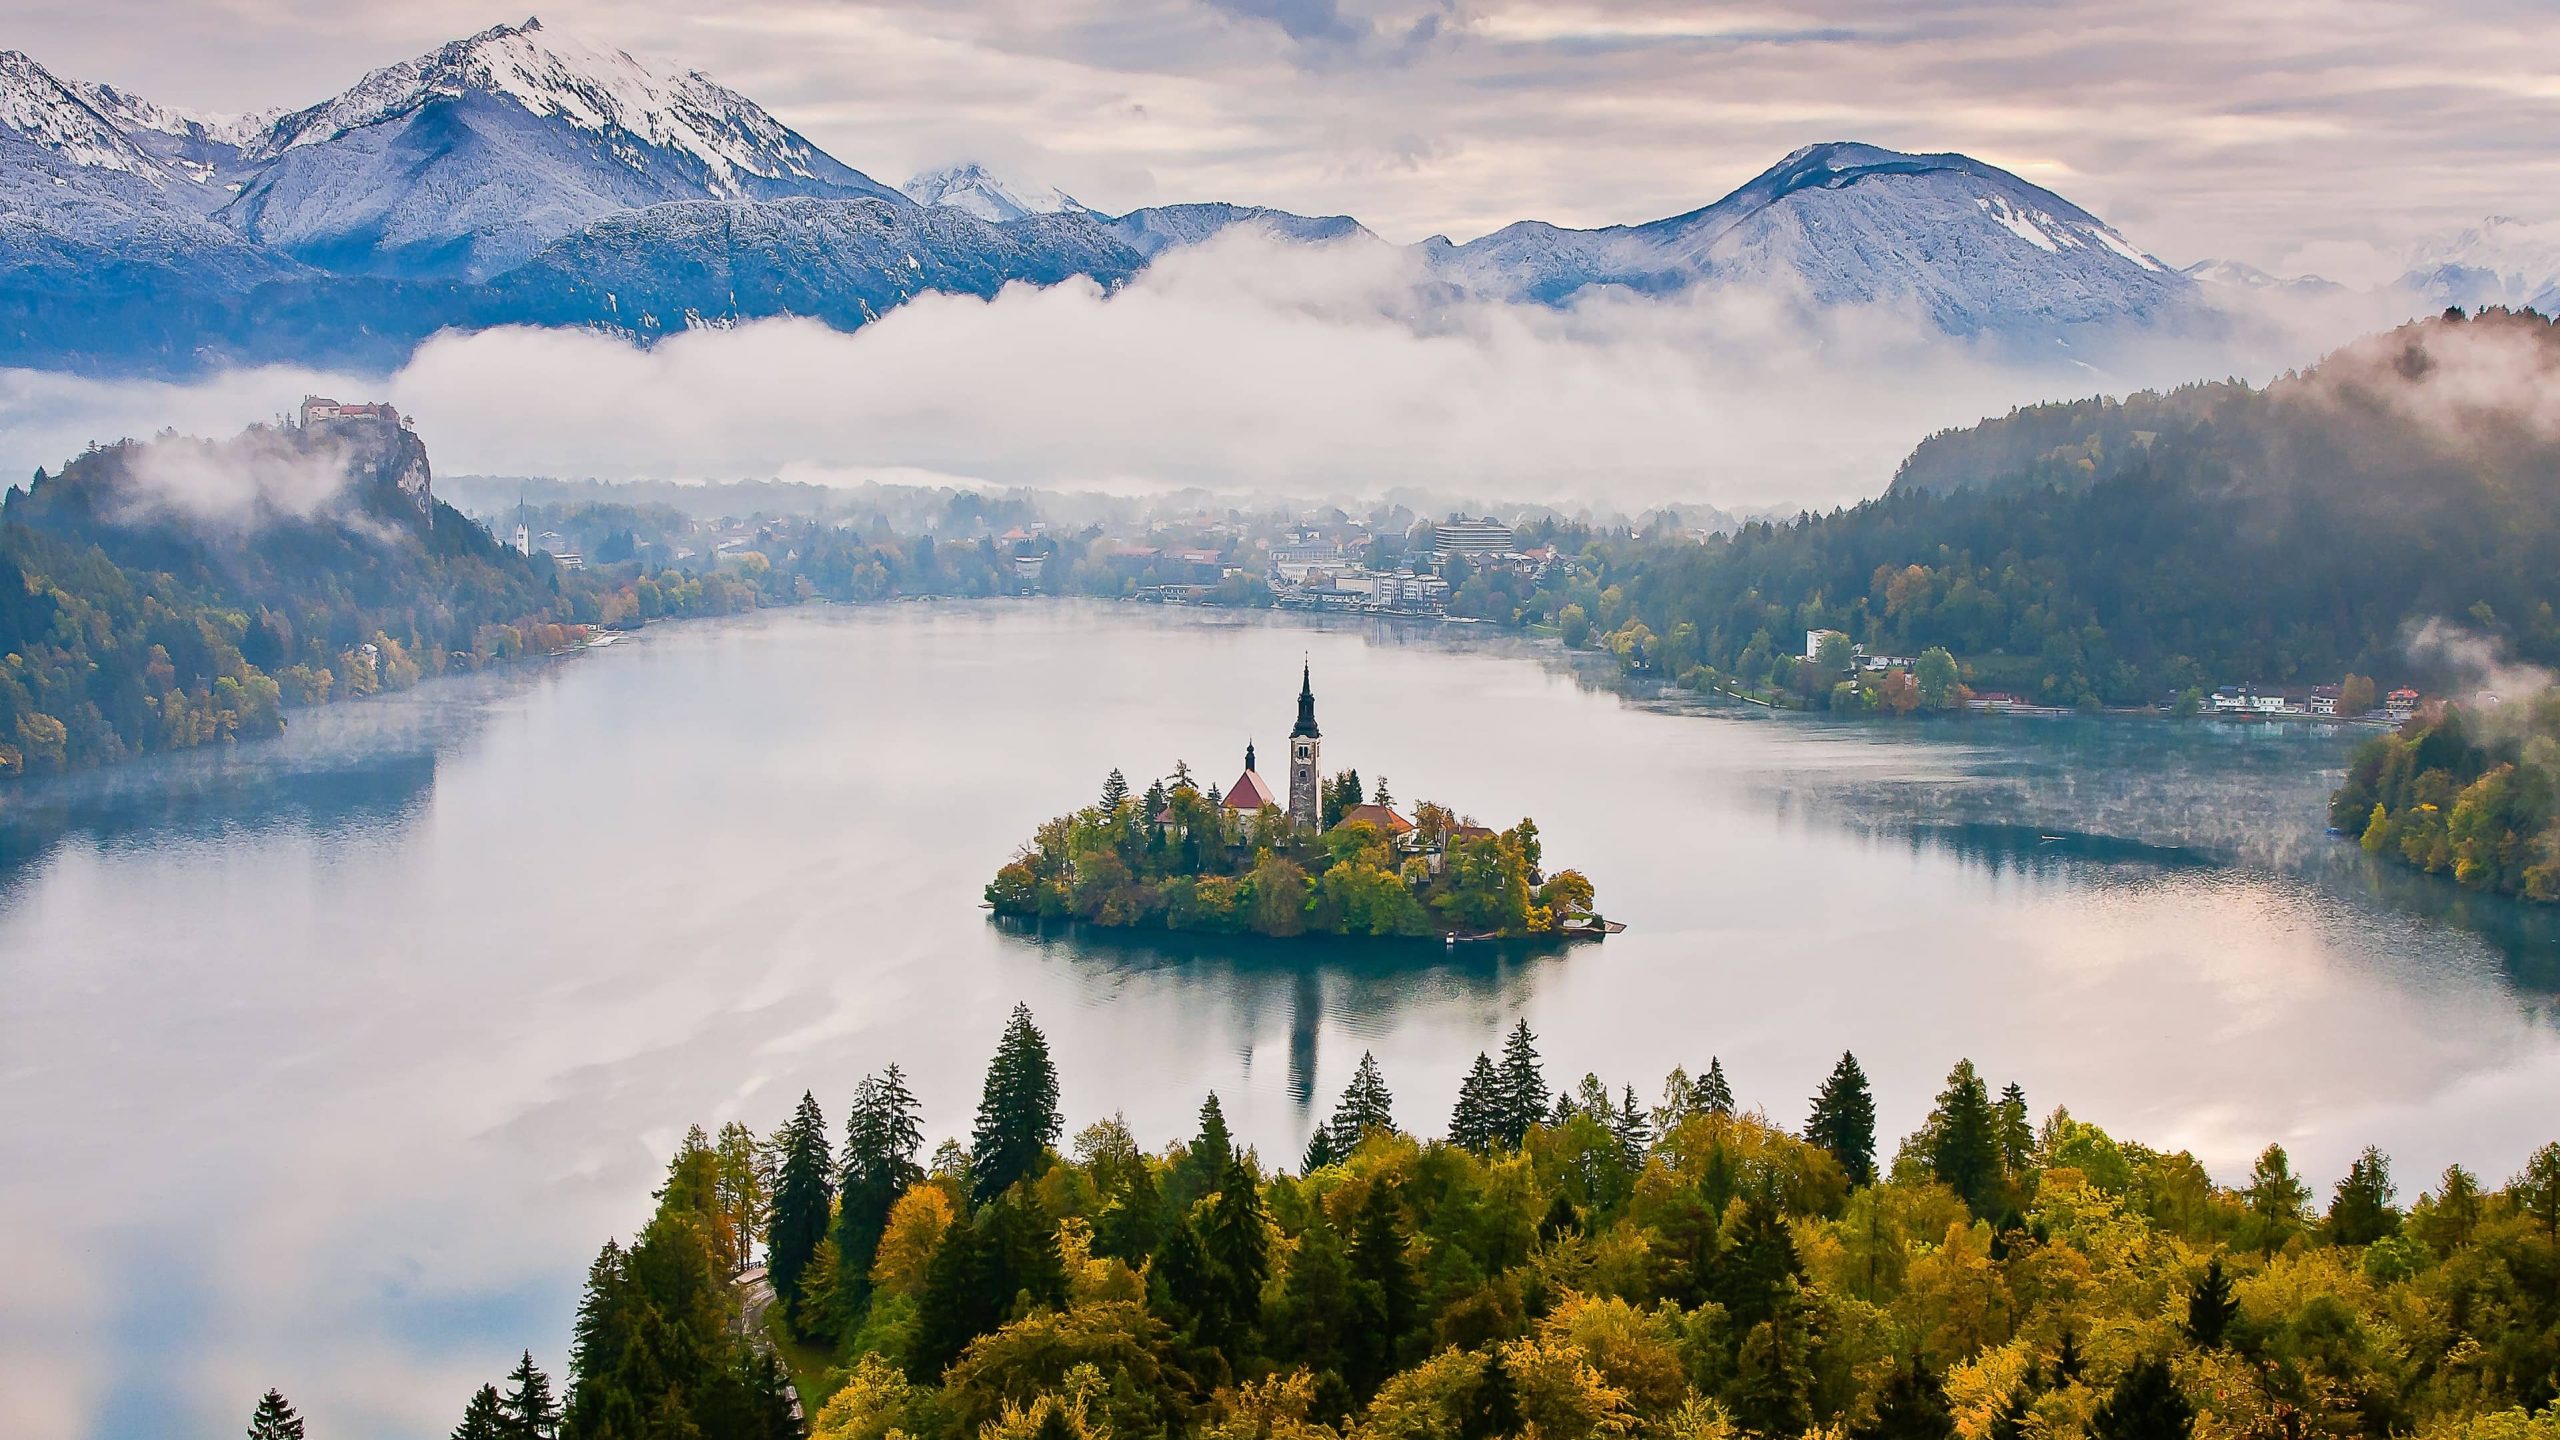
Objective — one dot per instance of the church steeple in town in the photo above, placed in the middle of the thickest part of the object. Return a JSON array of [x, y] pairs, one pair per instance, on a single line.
[[1248, 754], [1306, 792]]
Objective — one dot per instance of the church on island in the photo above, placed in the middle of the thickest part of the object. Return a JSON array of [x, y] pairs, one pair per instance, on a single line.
[[1251, 794]]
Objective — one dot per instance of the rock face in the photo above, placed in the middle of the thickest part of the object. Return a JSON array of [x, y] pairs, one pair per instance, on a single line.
[[381, 451]]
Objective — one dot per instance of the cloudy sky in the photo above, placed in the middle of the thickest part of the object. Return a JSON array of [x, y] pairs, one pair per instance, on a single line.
[[2289, 133]]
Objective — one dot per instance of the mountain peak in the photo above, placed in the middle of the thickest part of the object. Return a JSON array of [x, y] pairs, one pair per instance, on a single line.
[[40, 109], [971, 187]]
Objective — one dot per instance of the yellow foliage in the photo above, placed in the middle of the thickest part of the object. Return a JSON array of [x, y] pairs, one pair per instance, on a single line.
[[1636, 1351], [1272, 1408], [1979, 1388], [876, 1401], [907, 1243], [1562, 1395]]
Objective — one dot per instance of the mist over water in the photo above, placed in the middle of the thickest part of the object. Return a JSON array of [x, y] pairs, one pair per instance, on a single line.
[[332, 1061]]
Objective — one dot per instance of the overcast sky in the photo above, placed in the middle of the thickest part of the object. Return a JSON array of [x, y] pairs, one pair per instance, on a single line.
[[2288, 133]]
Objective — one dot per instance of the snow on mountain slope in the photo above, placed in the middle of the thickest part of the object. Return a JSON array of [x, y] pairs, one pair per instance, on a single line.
[[973, 188], [210, 150], [689, 264], [1159, 228], [2500, 261], [51, 116], [1973, 247], [467, 160]]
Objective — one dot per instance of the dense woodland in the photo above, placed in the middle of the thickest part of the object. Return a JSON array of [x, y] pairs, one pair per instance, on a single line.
[[1178, 858], [2474, 795], [2126, 552], [1565, 1265]]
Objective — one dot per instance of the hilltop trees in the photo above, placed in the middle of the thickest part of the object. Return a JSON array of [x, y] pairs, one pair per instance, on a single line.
[[883, 1135], [802, 1195], [1843, 1121]]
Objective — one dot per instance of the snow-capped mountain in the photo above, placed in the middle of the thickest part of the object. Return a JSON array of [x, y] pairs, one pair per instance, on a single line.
[[1974, 247], [2239, 275], [1158, 228], [467, 160], [211, 150], [43, 112], [2500, 261], [971, 187]]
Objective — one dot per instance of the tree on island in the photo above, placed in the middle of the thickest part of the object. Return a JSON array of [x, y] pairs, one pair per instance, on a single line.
[[1018, 1112]]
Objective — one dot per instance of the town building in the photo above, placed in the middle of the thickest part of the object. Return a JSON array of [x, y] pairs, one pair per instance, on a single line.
[[1477, 540], [1813, 641], [2400, 704]]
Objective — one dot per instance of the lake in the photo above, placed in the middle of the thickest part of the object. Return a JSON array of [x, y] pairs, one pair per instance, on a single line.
[[331, 1061]]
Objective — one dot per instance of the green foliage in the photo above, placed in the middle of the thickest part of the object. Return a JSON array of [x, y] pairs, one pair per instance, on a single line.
[[1018, 1113], [802, 1196], [2474, 797], [274, 1419], [1843, 1121]]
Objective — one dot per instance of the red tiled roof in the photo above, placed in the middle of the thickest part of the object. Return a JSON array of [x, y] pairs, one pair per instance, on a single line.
[[1387, 821], [1249, 793]]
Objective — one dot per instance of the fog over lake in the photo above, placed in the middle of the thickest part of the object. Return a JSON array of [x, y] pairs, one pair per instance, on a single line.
[[330, 1062]]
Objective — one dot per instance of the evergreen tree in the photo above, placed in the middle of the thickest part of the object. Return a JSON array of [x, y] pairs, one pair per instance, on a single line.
[[1018, 1114], [1365, 1106], [1319, 1151], [1383, 797], [2275, 1199], [1964, 1142], [274, 1419], [484, 1418], [2067, 1363], [1238, 1244], [2146, 1404], [2010, 1421], [1115, 790], [1913, 1406], [1714, 1096], [1476, 1124], [1634, 1131], [1204, 1165], [1378, 1259], [1524, 1088], [1181, 1284], [964, 1296], [2016, 1132], [530, 1412], [883, 1135], [2211, 1305], [1843, 1121], [801, 1193], [1493, 1410], [2361, 1211]]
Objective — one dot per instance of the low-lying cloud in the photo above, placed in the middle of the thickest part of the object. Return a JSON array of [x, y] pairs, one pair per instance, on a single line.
[[250, 478], [1240, 365]]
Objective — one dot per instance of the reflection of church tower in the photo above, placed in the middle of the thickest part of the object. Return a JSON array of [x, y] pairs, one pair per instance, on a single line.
[[1306, 744]]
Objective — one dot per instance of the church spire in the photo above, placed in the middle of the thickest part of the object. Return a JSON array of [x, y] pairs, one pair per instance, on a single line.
[[1248, 754], [1306, 725]]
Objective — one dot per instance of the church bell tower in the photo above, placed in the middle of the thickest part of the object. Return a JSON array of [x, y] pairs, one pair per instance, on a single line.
[[1306, 748]]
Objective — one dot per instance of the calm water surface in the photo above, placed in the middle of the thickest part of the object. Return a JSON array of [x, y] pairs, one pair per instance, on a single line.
[[329, 1063]]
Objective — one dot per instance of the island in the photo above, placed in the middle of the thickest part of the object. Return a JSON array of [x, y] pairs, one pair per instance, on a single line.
[[1330, 859]]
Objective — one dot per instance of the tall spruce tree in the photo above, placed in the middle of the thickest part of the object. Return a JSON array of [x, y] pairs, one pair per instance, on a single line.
[[802, 1188], [2211, 1305], [1383, 1274], [1843, 1121], [485, 1418], [529, 1410], [1018, 1113], [1204, 1165], [1476, 1124], [1366, 1105], [274, 1419], [1319, 1151], [2361, 1211], [883, 1135], [2015, 1130], [2146, 1404], [1115, 790], [1524, 1088], [1714, 1096], [1634, 1130], [1238, 1243], [1964, 1141]]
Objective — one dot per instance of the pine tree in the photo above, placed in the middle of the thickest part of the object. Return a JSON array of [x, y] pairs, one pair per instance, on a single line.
[[1319, 1151], [2067, 1362], [883, 1135], [1204, 1165], [1913, 1406], [957, 1304], [529, 1409], [1964, 1142], [1365, 1106], [274, 1419], [1634, 1131], [1476, 1124], [1115, 791], [1018, 1113], [800, 1194], [1181, 1284], [1382, 796], [1843, 1121], [1714, 1096], [1238, 1244], [1524, 1088], [1493, 1411], [484, 1418], [2145, 1405], [2211, 1305], [1379, 1265], [2017, 1132], [2361, 1211]]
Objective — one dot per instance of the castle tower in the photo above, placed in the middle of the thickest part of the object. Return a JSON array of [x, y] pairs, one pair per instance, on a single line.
[[1306, 749]]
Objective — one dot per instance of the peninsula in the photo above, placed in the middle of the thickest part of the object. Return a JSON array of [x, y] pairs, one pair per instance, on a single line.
[[1332, 858]]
